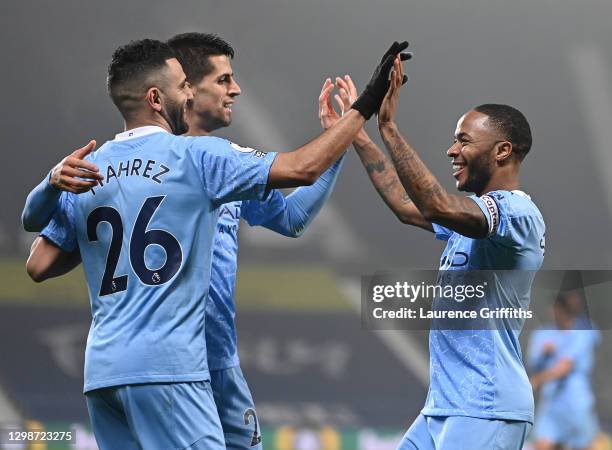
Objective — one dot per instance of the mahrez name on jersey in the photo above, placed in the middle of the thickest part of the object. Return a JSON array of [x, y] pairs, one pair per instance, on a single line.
[[135, 167]]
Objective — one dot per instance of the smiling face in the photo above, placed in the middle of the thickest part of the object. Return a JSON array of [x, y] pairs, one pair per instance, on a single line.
[[214, 96], [473, 152]]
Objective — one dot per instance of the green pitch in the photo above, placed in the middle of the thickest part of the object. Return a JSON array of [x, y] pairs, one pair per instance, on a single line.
[[259, 287]]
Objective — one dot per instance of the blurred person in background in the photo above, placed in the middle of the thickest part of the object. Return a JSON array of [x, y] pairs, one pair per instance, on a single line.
[[561, 359]]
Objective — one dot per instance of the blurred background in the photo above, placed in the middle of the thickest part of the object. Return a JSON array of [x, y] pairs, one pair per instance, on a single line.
[[320, 381]]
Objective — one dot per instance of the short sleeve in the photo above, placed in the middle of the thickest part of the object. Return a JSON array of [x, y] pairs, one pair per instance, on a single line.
[[256, 212], [442, 233], [230, 172], [511, 217], [61, 230]]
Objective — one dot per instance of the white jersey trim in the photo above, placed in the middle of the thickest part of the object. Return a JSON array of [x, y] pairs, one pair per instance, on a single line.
[[139, 132], [493, 211]]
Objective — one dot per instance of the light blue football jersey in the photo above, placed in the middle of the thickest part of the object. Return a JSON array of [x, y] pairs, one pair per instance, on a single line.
[[146, 240], [221, 310], [572, 392], [287, 216], [275, 212], [479, 372]]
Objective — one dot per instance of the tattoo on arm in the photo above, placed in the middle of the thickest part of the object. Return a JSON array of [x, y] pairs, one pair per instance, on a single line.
[[386, 181], [381, 172], [416, 178], [377, 166]]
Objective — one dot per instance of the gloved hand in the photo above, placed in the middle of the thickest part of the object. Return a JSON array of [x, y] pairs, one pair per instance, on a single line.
[[372, 96]]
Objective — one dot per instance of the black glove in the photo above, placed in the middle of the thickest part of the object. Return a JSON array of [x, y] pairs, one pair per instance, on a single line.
[[372, 96]]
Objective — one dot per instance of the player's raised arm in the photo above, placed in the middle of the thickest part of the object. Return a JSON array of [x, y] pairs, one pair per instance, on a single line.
[[305, 164], [72, 174], [458, 213], [298, 210], [380, 170]]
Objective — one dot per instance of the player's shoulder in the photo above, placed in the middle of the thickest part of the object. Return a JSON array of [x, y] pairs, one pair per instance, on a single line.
[[221, 145], [203, 141], [513, 203], [212, 144], [101, 152]]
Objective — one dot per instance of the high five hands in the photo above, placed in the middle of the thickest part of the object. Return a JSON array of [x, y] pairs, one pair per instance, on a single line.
[[388, 108], [347, 92]]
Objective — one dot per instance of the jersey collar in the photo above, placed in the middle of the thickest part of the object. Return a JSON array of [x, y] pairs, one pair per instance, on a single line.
[[139, 132], [515, 191]]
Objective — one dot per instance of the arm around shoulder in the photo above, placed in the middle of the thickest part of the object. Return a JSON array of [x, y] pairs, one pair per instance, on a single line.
[[47, 260]]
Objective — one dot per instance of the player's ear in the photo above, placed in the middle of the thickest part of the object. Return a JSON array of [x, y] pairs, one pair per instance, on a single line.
[[503, 151], [153, 97]]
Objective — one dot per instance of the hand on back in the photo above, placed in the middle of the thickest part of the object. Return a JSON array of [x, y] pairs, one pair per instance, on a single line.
[[74, 174]]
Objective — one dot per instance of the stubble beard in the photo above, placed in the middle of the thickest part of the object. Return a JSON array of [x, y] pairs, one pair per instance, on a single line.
[[175, 116]]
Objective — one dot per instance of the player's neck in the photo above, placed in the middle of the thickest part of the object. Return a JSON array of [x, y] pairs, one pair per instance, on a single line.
[[197, 131], [501, 182], [197, 127]]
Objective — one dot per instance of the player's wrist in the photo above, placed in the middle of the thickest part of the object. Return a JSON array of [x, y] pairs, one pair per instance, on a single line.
[[366, 105], [49, 187]]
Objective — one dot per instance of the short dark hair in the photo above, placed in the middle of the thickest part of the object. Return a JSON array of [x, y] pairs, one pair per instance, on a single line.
[[193, 50], [132, 65], [512, 124]]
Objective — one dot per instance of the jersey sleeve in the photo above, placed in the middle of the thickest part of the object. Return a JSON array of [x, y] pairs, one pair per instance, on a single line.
[[40, 205], [61, 229], [230, 172], [292, 215], [442, 233], [510, 218], [256, 212]]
